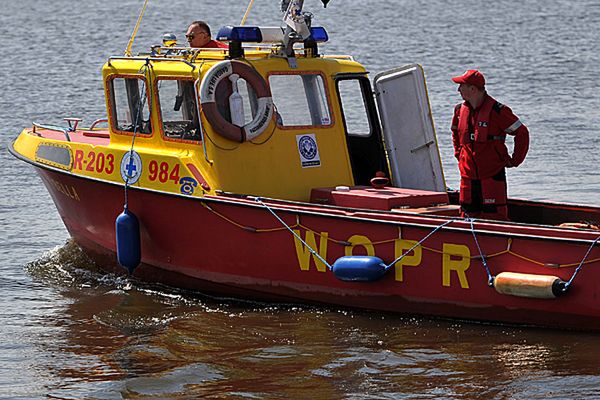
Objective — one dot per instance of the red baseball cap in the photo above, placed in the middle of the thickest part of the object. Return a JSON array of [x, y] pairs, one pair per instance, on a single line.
[[471, 77]]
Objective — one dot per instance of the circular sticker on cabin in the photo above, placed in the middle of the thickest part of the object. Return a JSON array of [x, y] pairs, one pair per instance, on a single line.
[[308, 147], [131, 167], [309, 151]]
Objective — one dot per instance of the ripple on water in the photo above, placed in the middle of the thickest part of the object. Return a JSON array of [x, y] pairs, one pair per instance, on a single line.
[[69, 331]]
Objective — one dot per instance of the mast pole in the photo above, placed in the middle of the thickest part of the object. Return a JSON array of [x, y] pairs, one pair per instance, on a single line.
[[135, 29], [247, 12]]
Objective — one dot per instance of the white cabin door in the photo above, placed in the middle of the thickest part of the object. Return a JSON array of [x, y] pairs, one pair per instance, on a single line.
[[408, 129]]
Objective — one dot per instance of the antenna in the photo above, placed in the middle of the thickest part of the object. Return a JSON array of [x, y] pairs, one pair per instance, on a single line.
[[135, 29], [248, 12]]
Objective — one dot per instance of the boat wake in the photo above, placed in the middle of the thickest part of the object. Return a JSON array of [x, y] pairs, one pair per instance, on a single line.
[[67, 266], [133, 306]]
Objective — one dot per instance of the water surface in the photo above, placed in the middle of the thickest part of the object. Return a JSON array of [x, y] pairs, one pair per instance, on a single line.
[[67, 331]]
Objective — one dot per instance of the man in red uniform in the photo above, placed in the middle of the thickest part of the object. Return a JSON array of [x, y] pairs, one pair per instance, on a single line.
[[198, 35], [479, 128]]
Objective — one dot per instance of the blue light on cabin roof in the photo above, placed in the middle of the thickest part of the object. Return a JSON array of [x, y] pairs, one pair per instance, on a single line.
[[318, 34], [240, 34], [253, 34]]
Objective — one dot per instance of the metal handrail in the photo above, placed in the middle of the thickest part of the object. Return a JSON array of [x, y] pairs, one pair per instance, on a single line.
[[98, 121], [53, 128], [178, 53], [141, 58]]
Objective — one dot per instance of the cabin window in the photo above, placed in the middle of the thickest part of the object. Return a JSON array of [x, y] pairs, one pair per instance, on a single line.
[[300, 99], [354, 107], [129, 103], [178, 109]]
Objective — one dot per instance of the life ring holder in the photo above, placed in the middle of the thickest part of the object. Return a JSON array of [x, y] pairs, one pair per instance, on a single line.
[[208, 89]]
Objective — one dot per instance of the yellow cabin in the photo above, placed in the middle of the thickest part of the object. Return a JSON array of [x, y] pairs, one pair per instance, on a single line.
[[263, 117]]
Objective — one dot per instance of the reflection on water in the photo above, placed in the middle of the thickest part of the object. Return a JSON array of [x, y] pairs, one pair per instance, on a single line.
[[119, 337]]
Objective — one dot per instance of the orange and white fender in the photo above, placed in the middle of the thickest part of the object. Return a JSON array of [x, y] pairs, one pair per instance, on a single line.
[[529, 285], [208, 88]]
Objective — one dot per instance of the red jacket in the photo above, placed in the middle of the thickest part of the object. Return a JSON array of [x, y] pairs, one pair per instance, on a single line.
[[215, 44], [479, 134]]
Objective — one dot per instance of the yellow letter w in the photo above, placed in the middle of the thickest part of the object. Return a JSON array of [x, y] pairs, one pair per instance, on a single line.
[[304, 253]]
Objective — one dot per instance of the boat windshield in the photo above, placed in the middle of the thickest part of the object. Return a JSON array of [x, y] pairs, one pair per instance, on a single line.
[[178, 109], [129, 105]]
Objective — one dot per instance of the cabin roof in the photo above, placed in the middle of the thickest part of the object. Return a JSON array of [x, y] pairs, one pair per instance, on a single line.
[[183, 61]]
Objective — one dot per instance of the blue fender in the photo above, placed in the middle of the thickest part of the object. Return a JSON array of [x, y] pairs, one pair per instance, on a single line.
[[359, 268], [128, 240]]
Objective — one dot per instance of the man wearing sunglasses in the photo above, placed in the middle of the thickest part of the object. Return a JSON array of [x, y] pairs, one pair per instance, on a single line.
[[198, 35]]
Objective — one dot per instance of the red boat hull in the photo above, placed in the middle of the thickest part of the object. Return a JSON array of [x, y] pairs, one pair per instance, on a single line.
[[235, 247]]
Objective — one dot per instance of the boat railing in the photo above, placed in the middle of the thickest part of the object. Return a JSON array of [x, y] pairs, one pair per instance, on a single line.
[[65, 131], [98, 121], [189, 55], [154, 58]]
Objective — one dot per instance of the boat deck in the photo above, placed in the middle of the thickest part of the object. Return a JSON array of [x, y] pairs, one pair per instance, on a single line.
[[95, 137]]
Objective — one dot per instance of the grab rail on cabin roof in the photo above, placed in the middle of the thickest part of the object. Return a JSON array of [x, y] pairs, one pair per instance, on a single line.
[[141, 58], [161, 53]]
